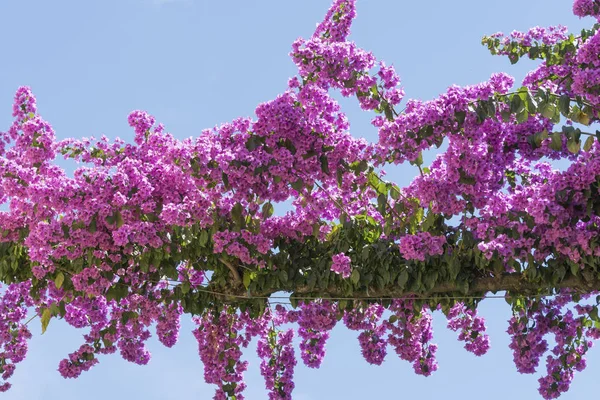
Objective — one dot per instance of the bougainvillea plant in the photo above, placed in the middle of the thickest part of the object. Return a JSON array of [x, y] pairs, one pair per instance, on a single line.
[[144, 232]]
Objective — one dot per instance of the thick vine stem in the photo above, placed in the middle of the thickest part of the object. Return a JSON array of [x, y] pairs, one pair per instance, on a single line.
[[515, 283], [236, 275]]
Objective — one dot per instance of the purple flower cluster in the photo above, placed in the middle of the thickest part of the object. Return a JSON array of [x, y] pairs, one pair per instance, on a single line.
[[537, 35], [278, 361], [573, 335], [13, 333], [584, 8], [363, 317], [372, 339], [336, 24], [315, 320], [471, 327], [81, 360], [410, 336], [219, 346], [341, 265], [167, 328], [373, 345], [420, 245]]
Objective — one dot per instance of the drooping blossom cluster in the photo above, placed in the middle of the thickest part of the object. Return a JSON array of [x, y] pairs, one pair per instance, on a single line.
[[573, 335], [410, 336], [372, 340], [81, 360], [167, 328], [14, 333], [278, 361], [471, 328], [315, 321], [219, 346]]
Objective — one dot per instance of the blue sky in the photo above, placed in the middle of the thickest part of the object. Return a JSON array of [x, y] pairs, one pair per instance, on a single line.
[[194, 64]]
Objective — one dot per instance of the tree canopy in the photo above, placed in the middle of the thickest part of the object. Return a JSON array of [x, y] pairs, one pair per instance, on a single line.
[[144, 232]]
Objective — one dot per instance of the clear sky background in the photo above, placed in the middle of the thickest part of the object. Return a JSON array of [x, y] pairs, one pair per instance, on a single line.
[[197, 63]]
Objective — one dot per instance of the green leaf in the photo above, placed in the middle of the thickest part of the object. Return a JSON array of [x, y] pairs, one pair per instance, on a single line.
[[373, 88], [564, 104], [505, 115], [340, 176], [594, 314], [283, 276], [92, 227], [298, 185], [548, 111], [46, 316], [584, 119], [225, 179], [419, 160], [539, 137], [558, 274], [118, 219], [106, 342], [324, 164], [491, 108], [430, 280], [573, 145], [523, 93], [466, 179], [58, 281], [355, 277], [531, 273], [577, 115], [380, 281], [465, 287], [381, 203], [252, 143], [395, 192], [358, 166], [66, 231], [316, 230], [267, 210], [522, 116], [127, 315], [387, 110], [574, 269], [531, 104], [556, 143], [203, 238], [403, 278], [145, 262], [481, 112], [429, 221], [236, 214], [516, 104], [294, 300], [312, 281], [588, 143], [54, 309], [185, 287], [247, 278], [90, 257]]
